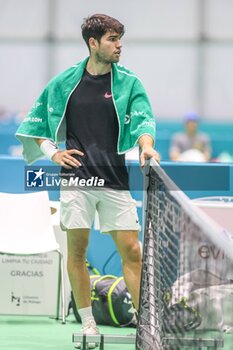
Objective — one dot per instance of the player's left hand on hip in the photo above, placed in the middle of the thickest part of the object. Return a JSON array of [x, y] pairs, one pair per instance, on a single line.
[[148, 153]]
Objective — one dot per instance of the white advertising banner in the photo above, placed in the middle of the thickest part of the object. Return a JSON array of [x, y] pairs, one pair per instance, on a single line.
[[29, 284]]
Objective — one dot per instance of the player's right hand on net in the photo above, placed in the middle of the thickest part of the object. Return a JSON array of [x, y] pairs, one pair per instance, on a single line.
[[65, 158]]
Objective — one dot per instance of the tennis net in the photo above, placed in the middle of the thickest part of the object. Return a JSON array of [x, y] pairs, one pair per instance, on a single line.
[[186, 274]]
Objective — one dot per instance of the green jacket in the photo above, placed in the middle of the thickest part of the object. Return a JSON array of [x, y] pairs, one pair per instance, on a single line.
[[46, 119]]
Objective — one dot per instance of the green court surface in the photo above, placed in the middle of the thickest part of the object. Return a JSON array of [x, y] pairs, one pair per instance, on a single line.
[[44, 333]]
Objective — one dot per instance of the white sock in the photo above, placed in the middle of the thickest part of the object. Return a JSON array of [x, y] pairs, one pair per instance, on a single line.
[[86, 314]]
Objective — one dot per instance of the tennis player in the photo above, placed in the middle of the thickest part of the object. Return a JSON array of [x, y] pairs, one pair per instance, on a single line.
[[101, 110]]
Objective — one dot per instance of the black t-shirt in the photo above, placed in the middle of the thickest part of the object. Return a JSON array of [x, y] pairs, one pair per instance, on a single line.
[[92, 127]]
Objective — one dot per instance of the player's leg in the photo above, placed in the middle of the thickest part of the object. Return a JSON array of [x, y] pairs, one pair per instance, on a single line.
[[77, 215], [129, 249], [118, 216], [77, 244]]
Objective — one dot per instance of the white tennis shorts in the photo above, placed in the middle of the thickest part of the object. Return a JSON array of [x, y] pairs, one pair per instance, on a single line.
[[116, 209]]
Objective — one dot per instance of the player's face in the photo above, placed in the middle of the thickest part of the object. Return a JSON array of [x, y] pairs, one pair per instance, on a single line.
[[191, 126], [108, 50]]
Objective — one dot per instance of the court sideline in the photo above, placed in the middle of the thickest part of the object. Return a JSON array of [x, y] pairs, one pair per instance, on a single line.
[[44, 333]]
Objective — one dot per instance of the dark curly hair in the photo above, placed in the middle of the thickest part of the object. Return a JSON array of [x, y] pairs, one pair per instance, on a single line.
[[98, 25]]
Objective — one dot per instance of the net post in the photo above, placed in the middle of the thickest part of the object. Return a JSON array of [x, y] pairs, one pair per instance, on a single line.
[[101, 342]]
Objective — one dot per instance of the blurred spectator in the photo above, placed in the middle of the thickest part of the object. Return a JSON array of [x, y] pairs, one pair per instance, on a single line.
[[190, 145]]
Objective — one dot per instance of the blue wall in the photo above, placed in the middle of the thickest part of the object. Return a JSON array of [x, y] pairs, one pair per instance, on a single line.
[[198, 180]]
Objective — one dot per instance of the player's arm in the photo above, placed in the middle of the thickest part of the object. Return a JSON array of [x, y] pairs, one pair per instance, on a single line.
[[207, 155], [207, 149], [147, 150], [174, 153], [63, 158], [175, 149]]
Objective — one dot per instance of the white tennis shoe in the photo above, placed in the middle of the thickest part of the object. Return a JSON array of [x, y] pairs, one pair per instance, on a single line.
[[89, 328]]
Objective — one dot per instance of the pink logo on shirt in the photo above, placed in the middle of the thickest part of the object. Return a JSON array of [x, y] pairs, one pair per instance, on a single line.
[[107, 95]]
